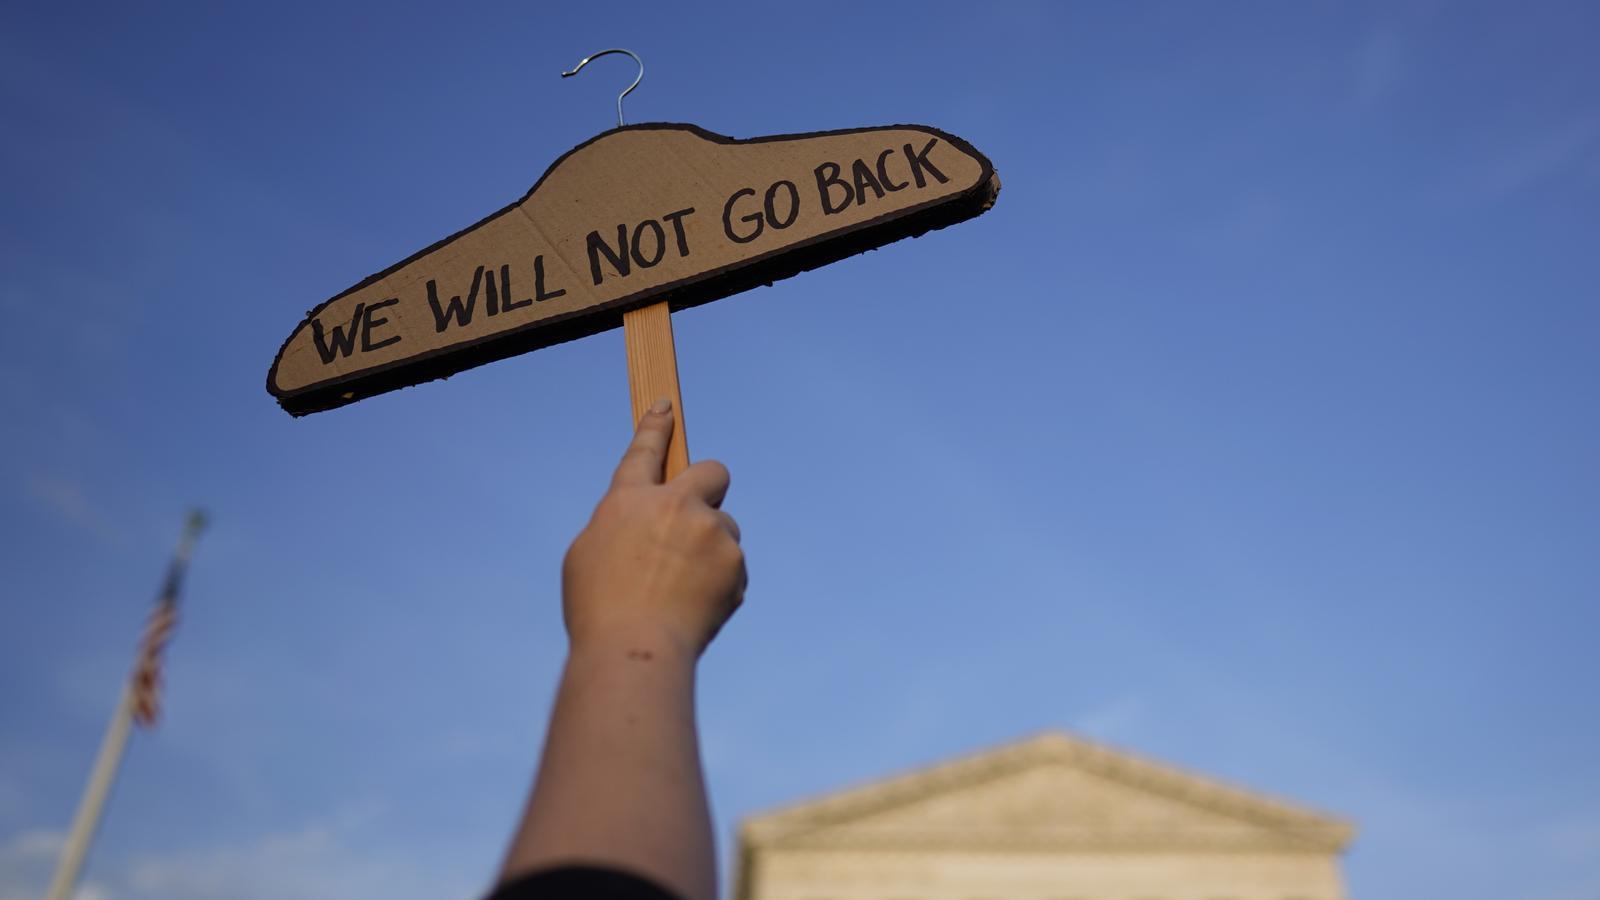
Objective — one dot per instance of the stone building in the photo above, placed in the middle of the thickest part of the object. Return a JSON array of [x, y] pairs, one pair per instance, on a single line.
[[1050, 818]]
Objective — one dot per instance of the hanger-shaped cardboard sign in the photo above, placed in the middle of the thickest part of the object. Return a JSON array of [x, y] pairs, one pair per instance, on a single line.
[[639, 215]]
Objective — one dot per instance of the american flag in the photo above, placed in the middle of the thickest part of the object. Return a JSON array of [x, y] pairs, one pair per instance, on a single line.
[[144, 688]]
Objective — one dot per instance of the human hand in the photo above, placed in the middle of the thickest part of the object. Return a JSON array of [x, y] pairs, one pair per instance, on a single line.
[[659, 559]]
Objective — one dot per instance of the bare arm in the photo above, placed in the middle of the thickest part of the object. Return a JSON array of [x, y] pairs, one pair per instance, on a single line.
[[645, 587]]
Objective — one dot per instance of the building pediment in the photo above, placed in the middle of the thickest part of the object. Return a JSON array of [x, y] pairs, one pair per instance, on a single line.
[[1048, 793]]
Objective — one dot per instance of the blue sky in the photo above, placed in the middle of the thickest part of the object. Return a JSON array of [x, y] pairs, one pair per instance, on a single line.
[[1253, 430]]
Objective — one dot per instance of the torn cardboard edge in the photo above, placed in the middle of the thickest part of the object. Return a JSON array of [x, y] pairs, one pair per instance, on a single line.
[[701, 287]]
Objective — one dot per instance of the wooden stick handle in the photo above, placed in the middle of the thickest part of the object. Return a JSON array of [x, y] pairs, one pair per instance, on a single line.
[[653, 374]]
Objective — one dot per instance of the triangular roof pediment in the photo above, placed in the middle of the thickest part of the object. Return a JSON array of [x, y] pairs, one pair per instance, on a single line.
[[1053, 791]]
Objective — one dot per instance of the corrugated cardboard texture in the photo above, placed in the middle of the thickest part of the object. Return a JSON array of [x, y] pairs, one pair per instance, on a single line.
[[637, 215]]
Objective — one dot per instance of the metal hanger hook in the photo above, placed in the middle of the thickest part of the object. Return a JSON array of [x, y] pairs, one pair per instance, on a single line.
[[593, 56]]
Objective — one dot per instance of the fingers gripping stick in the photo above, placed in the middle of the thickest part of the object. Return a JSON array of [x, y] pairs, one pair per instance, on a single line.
[[653, 375]]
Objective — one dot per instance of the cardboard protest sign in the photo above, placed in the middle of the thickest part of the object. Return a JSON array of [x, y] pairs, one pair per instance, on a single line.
[[638, 215]]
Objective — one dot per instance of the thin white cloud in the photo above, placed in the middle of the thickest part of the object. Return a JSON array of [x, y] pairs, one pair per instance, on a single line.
[[1576, 840], [1376, 66], [322, 860], [327, 859], [1114, 720], [33, 844], [319, 860], [1541, 157], [67, 501]]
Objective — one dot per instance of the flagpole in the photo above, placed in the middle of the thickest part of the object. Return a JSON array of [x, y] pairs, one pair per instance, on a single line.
[[115, 743], [94, 798]]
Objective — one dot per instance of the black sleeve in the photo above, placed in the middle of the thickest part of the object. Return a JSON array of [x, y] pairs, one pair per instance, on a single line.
[[581, 883]]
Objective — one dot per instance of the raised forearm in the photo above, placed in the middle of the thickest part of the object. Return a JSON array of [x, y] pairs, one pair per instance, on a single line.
[[620, 783], [645, 587]]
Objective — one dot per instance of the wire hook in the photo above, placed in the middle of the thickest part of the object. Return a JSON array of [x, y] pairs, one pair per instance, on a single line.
[[585, 61]]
